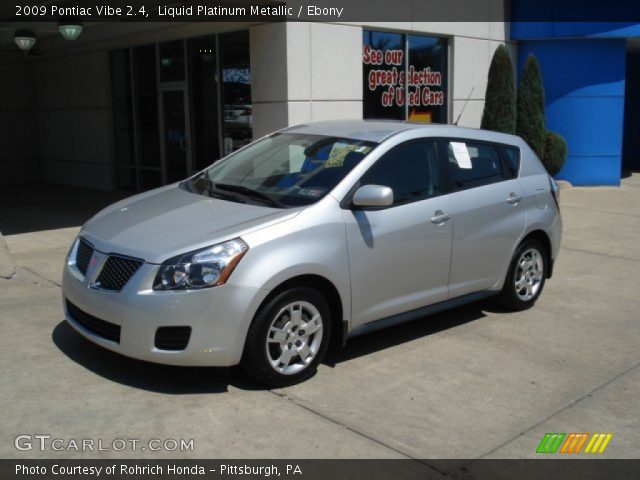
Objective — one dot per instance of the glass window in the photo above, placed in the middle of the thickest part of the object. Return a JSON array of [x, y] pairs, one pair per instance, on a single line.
[[174, 134], [172, 61], [426, 79], [512, 156], [144, 65], [288, 169], [122, 107], [210, 118], [404, 77], [384, 69], [236, 87], [204, 101], [411, 170], [135, 106], [481, 165]]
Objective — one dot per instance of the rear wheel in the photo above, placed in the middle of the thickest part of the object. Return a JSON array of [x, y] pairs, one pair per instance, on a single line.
[[526, 276], [288, 338]]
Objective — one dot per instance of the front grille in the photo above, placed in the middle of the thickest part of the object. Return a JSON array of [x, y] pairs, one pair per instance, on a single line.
[[172, 338], [116, 272], [83, 256], [109, 331]]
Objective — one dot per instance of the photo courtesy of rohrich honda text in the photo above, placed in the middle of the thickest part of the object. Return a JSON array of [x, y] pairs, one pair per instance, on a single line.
[[300, 239]]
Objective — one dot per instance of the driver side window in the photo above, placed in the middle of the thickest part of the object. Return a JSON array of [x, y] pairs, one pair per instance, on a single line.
[[410, 169]]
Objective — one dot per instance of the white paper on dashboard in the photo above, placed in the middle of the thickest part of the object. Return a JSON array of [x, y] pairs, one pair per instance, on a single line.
[[461, 154]]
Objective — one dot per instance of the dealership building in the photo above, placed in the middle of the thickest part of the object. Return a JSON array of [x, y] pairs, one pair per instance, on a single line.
[[132, 106]]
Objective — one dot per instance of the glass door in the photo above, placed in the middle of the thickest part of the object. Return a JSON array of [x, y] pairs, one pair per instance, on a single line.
[[178, 106], [138, 160], [176, 147], [204, 88]]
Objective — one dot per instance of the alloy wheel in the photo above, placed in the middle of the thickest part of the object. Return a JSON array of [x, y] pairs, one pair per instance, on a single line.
[[529, 274], [294, 337]]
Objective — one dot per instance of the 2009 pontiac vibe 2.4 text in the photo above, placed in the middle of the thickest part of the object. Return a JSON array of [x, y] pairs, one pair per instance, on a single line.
[[315, 233]]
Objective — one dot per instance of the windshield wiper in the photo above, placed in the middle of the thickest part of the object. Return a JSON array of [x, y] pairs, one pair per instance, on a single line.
[[211, 189], [248, 192]]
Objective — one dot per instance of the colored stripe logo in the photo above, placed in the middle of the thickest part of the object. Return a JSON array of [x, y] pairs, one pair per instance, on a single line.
[[574, 442], [550, 442], [598, 443]]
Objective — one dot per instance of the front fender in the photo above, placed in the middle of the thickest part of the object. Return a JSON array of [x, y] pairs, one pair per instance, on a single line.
[[312, 243]]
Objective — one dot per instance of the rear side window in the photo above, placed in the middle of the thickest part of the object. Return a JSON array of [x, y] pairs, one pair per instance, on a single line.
[[473, 164], [410, 169], [512, 157]]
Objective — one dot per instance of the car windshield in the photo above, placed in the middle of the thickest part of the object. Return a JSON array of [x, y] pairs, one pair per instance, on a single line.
[[283, 170]]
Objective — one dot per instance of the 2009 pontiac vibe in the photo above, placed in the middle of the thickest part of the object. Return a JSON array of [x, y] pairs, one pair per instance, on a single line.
[[315, 233]]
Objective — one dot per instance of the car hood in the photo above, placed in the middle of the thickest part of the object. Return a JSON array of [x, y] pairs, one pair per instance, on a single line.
[[168, 221]]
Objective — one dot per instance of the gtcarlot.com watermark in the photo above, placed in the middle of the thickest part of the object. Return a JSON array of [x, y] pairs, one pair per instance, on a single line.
[[49, 443]]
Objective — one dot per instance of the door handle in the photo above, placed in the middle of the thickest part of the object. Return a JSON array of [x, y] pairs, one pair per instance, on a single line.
[[513, 199], [183, 142], [439, 217]]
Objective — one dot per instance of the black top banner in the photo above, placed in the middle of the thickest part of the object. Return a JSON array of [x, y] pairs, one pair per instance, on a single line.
[[624, 12]]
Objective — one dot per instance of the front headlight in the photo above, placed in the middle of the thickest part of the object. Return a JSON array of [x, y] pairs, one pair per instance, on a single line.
[[207, 267]]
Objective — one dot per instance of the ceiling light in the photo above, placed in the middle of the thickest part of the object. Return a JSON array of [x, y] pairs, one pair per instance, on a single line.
[[70, 31], [24, 40]]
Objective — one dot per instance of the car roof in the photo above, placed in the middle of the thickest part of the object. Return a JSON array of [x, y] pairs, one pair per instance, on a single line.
[[379, 130]]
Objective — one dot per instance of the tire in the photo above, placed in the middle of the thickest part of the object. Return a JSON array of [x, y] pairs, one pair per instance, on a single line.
[[523, 287], [278, 350]]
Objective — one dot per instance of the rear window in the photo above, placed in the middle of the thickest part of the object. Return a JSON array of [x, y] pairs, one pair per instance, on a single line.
[[512, 157], [473, 164]]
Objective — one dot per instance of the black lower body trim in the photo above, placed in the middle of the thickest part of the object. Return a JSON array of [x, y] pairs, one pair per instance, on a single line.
[[108, 331]]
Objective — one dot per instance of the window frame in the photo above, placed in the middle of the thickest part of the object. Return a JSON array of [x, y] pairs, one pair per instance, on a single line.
[[452, 187], [347, 201]]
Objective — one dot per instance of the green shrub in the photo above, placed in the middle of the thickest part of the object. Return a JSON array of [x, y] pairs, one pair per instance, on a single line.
[[500, 99], [555, 152], [531, 125]]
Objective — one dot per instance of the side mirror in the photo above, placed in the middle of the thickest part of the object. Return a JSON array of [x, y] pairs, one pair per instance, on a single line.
[[373, 196]]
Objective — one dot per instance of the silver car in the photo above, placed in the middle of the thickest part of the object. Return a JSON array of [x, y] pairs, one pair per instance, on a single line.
[[310, 236]]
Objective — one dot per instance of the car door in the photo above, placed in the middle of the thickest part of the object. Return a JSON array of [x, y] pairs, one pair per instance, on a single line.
[[488, 215], [399, 256]]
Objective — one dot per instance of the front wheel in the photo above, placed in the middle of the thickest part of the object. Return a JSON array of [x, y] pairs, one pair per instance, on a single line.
[[288, 338], [526, 276]]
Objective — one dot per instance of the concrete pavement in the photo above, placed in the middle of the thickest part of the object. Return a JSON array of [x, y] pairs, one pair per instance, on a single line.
[[475, 382]]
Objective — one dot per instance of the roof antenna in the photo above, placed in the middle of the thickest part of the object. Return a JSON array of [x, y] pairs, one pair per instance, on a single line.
[[464, 106]]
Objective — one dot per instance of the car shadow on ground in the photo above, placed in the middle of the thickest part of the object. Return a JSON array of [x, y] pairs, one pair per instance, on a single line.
[[145, 375], [195, 380], [406, 332]]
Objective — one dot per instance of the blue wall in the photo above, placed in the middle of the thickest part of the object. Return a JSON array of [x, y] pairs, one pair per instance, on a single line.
[[581, 47], [584, 83]]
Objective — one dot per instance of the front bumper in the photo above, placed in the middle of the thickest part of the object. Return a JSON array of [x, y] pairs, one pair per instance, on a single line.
[[219, 317]]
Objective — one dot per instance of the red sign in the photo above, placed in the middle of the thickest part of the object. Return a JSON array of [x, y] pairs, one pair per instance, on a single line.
[[390, 78]]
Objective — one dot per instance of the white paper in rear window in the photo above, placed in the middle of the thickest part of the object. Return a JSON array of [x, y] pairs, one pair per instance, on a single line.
[[461, 154]]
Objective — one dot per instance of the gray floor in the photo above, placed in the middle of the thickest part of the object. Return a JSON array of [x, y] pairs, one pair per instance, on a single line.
[[471, 383]]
